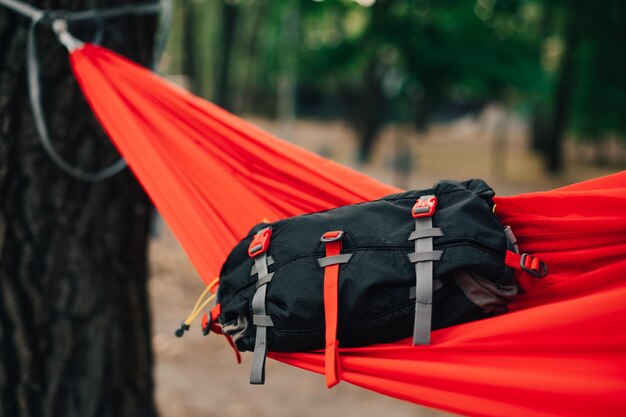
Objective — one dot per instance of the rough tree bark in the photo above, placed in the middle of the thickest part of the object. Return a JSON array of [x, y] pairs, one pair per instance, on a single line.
[[74, 316]]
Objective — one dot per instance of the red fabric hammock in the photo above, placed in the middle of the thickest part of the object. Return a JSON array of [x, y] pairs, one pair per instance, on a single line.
[[561, 351]]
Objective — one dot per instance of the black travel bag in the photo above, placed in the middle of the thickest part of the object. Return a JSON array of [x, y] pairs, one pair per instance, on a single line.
[[369, 273]]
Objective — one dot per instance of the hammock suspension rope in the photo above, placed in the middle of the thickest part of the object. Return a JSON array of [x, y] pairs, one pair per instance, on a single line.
[[59, 22]]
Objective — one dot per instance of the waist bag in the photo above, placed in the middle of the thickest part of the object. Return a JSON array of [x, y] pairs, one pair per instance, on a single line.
[[370, 273]]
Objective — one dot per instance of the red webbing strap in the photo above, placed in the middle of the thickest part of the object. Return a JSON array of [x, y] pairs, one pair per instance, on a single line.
[[512, 259], [527, 263], [331, 308]]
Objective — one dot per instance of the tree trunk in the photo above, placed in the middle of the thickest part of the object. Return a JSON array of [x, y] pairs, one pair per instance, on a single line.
[[74, 313], [189, 63], [230, 17], [539, 128], [562, 98], [500, 144], [372, 110], [251, 50], [539, 117], [288, 77]]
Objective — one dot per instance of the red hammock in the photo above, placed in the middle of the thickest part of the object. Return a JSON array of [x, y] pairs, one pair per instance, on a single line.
[[560, 352]]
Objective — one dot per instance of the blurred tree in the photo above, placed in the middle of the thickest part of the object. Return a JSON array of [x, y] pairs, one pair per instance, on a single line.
[[454, 56], [598, 100], [230, 17], [192, 47], [189, 40], [74, 315], [445, 59], [540, 111], [585, 65], [252, 51], [346, 53], [287, 79], [562, 94]]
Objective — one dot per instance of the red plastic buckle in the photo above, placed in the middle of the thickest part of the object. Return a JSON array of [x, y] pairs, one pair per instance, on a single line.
[[424, 208], [533, 266], [332, 236], [260, 242]]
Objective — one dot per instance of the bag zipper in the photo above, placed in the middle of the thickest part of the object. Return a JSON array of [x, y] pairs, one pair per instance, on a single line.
[[442, 244]]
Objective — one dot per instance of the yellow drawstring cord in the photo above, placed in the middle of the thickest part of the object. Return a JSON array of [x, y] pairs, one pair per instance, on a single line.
[[198, 308], [201, 305]]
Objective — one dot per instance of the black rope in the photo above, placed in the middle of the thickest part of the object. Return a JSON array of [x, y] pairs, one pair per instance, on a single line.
[[59, 20]]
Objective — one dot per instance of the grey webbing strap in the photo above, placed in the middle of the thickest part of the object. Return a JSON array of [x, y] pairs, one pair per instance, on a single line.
[[264, 279], [270, 262], [335, 259], [434, 255], [437, 284], [264, 321], [422, 233], [423, 258], [261, 320]]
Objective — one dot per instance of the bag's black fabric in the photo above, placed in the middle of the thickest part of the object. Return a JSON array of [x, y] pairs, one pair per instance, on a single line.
[[375, 285]]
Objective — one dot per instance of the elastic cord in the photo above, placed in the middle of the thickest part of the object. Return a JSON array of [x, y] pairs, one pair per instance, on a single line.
[[202, 303]]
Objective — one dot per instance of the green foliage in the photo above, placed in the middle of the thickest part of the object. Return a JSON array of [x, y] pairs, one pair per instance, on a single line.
[[444, 50], [423, 53], [599, 102]]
